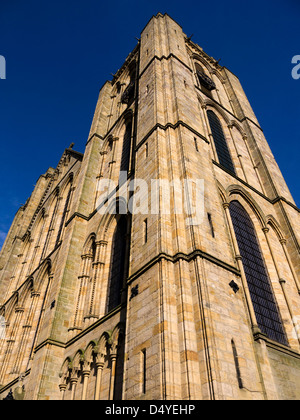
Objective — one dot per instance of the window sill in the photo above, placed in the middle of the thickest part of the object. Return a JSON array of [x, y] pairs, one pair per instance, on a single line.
[[276, 346]]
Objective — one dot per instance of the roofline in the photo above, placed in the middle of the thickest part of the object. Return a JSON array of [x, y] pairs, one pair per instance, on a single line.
[[159, 14]]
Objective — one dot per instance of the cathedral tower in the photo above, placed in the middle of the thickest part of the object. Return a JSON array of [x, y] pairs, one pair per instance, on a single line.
[[163, 263]]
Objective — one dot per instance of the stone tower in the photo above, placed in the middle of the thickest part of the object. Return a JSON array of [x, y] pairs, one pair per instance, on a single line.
[[105, 296]]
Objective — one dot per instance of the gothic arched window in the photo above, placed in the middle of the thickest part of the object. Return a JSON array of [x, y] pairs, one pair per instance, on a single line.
[[128, 95], [206, 82], [220, 142], [118, 264], [265, 307]]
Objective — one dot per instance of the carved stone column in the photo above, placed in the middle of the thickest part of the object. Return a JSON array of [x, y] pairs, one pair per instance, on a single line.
[[62, 388], [73, 380], [86, 374], [99, 366], [113, 358]]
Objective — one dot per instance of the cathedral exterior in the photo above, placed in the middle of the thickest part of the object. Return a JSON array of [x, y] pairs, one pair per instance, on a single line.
[[103, 300]]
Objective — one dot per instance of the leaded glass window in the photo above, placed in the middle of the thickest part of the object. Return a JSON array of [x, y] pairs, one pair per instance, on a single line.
[[265, 307], [220, 142]]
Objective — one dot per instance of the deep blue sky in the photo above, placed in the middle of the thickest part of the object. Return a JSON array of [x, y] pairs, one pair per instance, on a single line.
[[59, 54]]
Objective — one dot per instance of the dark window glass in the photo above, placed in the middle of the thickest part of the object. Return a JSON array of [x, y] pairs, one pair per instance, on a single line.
[[125, 158], [220, 142], [64, 215], [117, 268], [267, 314]]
